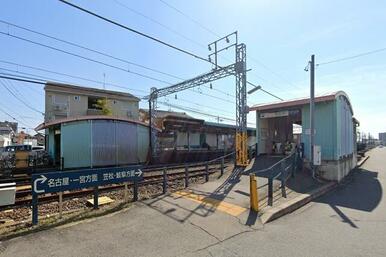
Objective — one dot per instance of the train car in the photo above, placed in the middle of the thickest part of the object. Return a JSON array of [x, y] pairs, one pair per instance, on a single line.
[[96, 141]]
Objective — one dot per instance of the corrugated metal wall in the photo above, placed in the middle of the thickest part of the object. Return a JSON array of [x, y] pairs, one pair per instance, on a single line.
[[103, 143], [127, 140], [143, 142], [345, 128], [75, 144]]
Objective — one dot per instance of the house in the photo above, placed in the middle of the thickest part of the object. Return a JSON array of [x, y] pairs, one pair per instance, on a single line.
[[335, 131], [68, 101], [7, 132]]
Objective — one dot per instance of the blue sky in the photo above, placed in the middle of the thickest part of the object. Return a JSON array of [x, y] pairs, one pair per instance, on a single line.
[[280, 37]]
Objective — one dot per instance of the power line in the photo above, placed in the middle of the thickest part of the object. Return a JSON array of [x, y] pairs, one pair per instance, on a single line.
[[190, 18], [138, 32], [92, 60], [21, 100], [82, 78], [23, 80], [12, 117], [273, 72], [37, 77], [134, 31], [89, 49], [159, 23], [215, 34], [66, 75], [352, 56], [85, 58]]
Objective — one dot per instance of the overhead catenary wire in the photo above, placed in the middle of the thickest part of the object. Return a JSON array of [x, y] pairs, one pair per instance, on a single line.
[[138, 32], [134, 30], [215, 34], [189, 109], [85, 58], [190, 18], [100, 62], [90, 49], [159, 23], [82, 78]]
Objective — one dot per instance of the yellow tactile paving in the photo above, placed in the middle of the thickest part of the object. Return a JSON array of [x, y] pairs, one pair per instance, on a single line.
[[228, 208]]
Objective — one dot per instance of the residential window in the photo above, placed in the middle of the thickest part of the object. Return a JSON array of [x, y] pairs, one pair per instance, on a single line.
[[93, 103], [60, 99]]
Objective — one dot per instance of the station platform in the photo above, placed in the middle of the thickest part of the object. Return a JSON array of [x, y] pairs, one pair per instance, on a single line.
[[221, 206]]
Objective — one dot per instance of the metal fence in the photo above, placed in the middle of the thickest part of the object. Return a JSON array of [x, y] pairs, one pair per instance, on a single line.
[[187, 175], [281, 170]]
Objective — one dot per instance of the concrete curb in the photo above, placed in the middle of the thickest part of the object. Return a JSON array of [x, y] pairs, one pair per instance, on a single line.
[[296, 203], [363, 161]]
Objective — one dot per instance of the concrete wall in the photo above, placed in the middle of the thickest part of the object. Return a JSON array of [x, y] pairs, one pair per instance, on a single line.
[[337, 169]]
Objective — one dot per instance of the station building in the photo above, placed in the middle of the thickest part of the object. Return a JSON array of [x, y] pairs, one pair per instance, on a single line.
[[335, 131]]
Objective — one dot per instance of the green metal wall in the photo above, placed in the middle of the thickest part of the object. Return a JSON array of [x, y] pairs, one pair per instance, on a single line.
[[75, 144], [326, 129], [143, 142], [51, 143]]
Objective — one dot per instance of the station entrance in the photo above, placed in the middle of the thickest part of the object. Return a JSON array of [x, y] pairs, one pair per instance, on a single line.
[[278, 132]]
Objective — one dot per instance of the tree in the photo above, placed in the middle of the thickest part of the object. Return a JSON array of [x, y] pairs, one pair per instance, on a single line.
[[104, 106]]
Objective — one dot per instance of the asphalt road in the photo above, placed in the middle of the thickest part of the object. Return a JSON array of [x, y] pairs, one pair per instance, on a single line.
[[349, 221]]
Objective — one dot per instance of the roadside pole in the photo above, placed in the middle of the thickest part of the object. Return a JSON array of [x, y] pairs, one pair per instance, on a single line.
[[312, 112]]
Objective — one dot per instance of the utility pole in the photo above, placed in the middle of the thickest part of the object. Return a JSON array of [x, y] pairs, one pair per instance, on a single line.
[[312, 111]]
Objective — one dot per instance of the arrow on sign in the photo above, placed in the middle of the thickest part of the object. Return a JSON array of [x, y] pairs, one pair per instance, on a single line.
[[138, 173], [42, 179]]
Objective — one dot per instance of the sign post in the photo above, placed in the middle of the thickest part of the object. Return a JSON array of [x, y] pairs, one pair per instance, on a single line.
[[60, 181]]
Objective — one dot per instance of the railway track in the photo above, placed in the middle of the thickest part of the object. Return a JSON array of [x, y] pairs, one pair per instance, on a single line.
[[152, 176]]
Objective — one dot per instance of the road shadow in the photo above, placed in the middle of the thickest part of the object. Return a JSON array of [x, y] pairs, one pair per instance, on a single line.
[[360, 190], [203, 209]]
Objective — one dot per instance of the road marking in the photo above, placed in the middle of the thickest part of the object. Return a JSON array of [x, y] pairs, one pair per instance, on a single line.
[[228, 208]]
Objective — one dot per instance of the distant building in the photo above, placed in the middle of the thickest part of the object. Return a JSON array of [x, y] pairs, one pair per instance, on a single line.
[[382, 138], [5, 141], [7, 132], [6, 126], [64, 101]]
